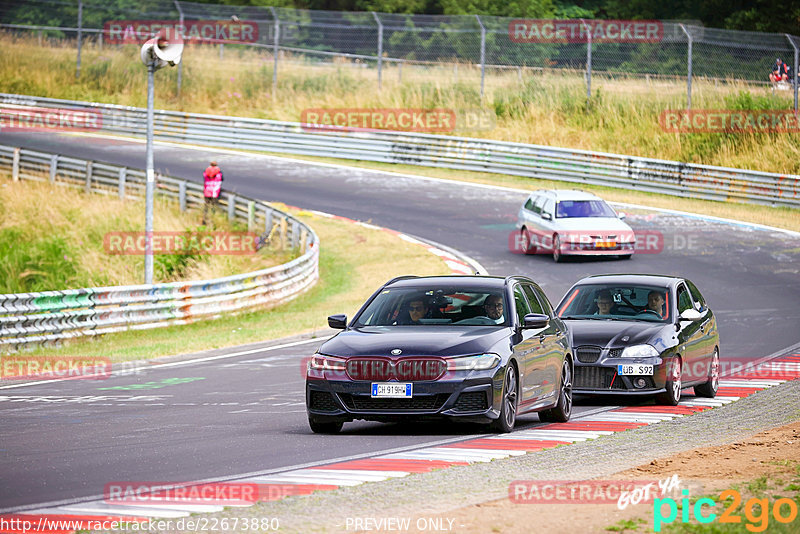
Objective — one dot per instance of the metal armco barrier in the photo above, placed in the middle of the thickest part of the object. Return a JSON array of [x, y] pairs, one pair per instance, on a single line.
[[535, 161], [54, 315]]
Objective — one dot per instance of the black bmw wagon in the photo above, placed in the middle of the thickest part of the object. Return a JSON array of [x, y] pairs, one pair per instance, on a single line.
[[470, 348]]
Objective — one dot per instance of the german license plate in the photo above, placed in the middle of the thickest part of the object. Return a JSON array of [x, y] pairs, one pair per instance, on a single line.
[[634, 369], [606, 244], [392, 390]]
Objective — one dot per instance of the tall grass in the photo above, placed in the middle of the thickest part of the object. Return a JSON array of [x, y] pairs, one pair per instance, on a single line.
[[52, 237], [547, 108]]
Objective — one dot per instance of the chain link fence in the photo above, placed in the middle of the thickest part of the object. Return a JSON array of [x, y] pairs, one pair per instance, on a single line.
[[679, 51]]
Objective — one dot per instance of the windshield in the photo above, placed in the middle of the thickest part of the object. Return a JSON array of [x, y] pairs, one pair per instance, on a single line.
[[617, 302], [583, 208], [425, 306]]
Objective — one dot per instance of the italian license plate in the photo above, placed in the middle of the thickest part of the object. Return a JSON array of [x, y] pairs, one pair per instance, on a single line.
[[634, 369], [394, 390], [606, 244]]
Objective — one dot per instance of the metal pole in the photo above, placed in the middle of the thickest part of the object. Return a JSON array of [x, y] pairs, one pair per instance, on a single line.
[[794, 72], [148, 214], [483, 52], [180, 65], [688, 69], [80, 34], [275, 46], [588, 62], [380, 47]]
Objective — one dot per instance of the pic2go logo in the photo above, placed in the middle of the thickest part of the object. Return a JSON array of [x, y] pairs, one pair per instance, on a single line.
[[756, 511]]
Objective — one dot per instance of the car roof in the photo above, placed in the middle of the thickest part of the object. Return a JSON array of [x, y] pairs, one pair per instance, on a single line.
[[465, 281], [566, 194], [652, 279]]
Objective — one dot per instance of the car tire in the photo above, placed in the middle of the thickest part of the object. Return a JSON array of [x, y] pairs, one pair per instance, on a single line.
[[709, 388], [561, 412], [527, 244], [672, 395], [323, 426], [509, 401], [557, 257]]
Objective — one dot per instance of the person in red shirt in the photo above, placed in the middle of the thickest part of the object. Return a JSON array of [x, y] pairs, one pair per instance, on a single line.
[[780, 72], [212, 185]]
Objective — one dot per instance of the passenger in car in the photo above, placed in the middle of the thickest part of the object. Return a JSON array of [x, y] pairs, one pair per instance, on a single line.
[[494, 308]]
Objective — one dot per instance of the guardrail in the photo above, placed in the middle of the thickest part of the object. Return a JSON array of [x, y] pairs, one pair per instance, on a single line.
[[54, 315], [534, 161]]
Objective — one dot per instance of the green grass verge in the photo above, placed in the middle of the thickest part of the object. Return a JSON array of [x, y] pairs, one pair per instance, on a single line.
[[354, 261]]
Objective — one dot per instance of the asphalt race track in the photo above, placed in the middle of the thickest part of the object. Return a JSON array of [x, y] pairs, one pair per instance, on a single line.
[[245, 413]]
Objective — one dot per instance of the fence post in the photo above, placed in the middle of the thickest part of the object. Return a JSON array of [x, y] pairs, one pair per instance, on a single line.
[[182, 195], [688, 69], [380, 47], [89, 165], [222, 51], [794, 72], [251, 215], [267, 220], [180, 65], [80, 34], [15, 165], [400, 72], [295, 234], [231, 206], [275, 50], [123, 175], [483, 52], [588, 61], [100, 40], [53, 168]]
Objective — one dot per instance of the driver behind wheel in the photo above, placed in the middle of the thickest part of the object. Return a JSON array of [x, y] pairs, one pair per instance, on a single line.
[[655, 303]]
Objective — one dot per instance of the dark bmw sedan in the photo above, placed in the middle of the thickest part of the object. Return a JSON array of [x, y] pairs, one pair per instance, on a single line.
[[641, 335], [470, 348]]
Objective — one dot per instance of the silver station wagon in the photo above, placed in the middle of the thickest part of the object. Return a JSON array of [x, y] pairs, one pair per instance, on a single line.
[[565, 222]]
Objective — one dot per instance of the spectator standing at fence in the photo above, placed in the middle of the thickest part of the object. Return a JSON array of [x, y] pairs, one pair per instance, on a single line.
[[780, 72], [212, 184]]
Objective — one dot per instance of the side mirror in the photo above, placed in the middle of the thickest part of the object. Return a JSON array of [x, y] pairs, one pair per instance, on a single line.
[[338, 321], [535, 320], [547, 216], [621, 215], [691, 315]]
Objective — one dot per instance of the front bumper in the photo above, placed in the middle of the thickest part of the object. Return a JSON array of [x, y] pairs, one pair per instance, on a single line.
[[475, 398], [602, 378]]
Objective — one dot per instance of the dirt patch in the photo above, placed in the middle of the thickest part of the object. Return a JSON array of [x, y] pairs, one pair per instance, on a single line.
[[773, 454]]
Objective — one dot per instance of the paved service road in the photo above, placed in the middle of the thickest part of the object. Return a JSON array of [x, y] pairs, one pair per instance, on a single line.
[[246, 413]]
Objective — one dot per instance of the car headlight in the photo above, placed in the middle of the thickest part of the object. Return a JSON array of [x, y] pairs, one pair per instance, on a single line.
[[639, 351], [320, 362], [478, 362]]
